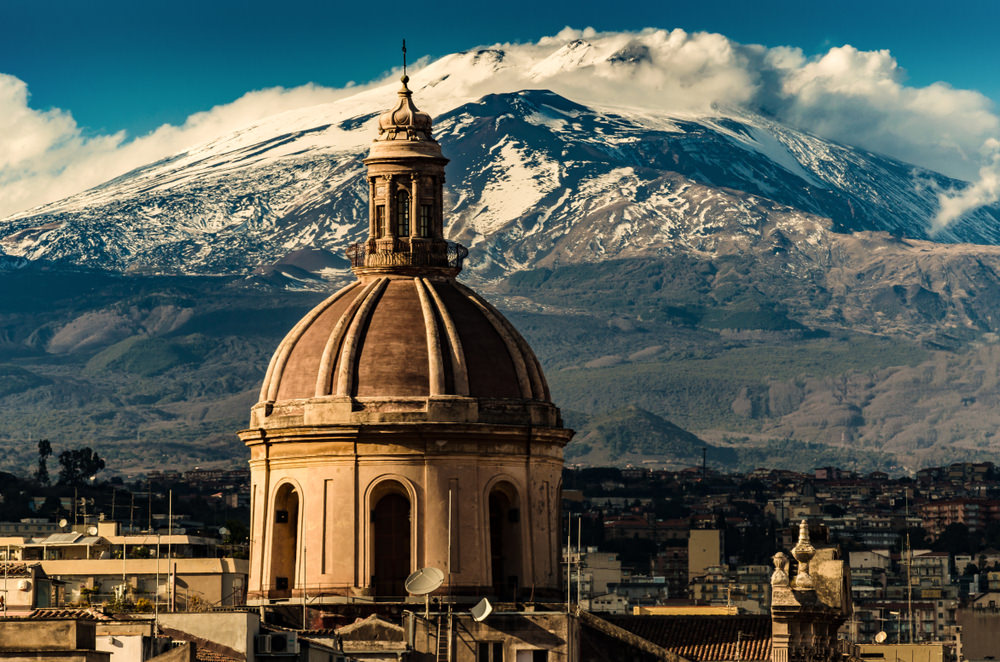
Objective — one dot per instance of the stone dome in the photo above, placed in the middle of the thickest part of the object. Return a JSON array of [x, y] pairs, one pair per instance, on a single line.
[[393, 346], [404, 121]]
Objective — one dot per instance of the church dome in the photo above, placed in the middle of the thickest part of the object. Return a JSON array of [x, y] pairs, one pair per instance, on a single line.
[[406, 342], [392, 344], [403, 406]]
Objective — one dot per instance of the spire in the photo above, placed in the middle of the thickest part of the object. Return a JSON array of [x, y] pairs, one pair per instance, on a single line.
[[405, 196]]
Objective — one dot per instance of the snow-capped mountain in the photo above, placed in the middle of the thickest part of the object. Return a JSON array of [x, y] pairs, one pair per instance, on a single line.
[[535, 179]]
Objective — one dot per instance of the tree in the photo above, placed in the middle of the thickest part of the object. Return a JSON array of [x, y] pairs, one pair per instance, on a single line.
[[955, 539], [78, 465], [44, 451]]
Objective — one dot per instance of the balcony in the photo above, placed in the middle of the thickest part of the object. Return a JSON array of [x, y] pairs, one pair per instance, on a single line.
[[414, 252]]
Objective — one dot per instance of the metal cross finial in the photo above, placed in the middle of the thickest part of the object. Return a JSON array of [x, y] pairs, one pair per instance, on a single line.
[[404, 57]]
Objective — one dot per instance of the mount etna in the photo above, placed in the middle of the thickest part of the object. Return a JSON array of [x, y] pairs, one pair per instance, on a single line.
[[712, 279]]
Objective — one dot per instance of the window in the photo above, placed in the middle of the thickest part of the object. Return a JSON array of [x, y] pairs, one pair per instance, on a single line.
[[489, 651], [403, 214], [379, 221], [424, 225]]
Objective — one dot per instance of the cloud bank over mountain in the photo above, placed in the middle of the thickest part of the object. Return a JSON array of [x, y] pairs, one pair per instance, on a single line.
[[855, 97]]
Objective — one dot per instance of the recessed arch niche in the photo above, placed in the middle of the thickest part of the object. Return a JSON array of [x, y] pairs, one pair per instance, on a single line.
[[505, 549], [284, 540], [391, 537]]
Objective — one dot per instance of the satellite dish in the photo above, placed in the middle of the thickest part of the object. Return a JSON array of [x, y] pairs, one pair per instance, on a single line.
[[423, 581], [63, 523], [881, 637], [92, 531], [482, 609]]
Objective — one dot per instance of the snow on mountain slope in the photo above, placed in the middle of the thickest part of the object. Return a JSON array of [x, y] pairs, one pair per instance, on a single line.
[[535, 178]]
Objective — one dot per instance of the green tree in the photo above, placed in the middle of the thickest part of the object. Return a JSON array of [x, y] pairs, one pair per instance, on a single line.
[[44, 451], [239, 532], [78, 465]]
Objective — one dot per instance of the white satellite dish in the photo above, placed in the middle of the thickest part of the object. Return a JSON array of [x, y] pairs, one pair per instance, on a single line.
[[92, 531], [63, 523], [881, 637], [482, 609], [423, 581]]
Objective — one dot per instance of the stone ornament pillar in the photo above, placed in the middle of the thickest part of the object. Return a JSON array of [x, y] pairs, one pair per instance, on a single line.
[[807, 612], [803, 553], [390, 206], [415, 205]]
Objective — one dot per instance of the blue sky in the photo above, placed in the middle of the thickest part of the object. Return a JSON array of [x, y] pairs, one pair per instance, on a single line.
[[117, 65]]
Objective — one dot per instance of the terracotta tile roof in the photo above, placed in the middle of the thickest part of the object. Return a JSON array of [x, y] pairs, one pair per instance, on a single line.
[[68, 613], [704, 638], [13, 569], [206, 655]]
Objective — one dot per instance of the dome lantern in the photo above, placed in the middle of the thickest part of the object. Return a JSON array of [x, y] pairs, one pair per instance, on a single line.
[[405, 199]]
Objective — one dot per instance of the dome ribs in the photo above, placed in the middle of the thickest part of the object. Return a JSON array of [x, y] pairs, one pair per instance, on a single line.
[[529, 373], [459, 369], [276, 369], [435, 372], [392, 359], [348, 353], [513, 349], [325, 375]]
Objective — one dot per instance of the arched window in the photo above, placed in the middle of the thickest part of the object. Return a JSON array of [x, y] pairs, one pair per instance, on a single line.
[[402, 213], [505, 541], [284, 541], [391, 543]]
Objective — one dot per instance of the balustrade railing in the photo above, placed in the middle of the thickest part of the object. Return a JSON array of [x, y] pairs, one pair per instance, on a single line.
[[404, 254]]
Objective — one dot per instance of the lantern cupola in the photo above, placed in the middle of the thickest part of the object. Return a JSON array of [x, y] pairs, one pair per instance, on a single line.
[[405, 199]]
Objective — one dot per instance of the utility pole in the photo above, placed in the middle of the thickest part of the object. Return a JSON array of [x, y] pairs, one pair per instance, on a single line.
[[569, 578], [909, 564], [579, 556]]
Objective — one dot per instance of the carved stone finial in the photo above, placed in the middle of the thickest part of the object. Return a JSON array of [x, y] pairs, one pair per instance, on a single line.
[[780, 575], [803, 553]]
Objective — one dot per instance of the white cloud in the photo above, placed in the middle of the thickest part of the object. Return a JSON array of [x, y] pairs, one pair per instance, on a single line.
[[860, 98], [855, 97], [985, 190], [45, 157]]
